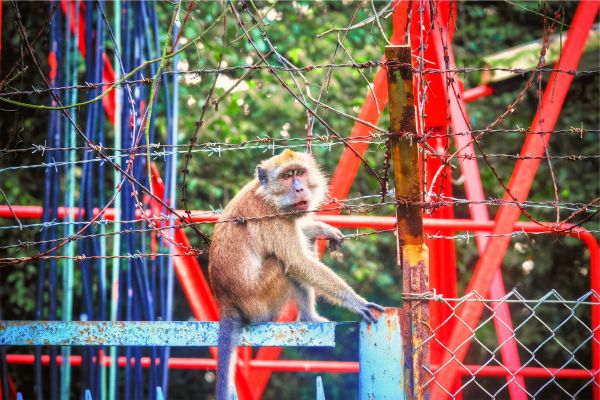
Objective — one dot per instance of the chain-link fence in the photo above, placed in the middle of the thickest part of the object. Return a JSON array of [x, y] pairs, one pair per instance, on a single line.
[[555, 341]]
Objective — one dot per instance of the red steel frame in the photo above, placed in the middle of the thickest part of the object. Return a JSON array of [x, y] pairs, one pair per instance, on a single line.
[[342, 367], [444, 59], [446, 107], [485, 274], [443, 226]]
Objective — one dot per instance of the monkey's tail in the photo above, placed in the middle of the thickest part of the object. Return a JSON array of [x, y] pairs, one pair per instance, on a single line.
[[229, 333]]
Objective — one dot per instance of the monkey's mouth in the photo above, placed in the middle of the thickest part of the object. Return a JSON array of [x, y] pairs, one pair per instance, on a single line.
[[301, 206]]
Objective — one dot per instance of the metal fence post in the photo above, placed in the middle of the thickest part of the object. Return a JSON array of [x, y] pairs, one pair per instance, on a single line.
[[413, 257], [320, 390], [381, 375]]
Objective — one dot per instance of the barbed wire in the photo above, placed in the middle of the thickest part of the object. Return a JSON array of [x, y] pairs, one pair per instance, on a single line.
[[371, 64], [218, 150], [193, 251], [281, 142], [156, 226], [294, 79], [343, 205], [377, 138]]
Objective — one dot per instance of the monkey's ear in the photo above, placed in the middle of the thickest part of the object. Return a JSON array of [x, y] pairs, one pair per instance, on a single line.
[[261, 174]]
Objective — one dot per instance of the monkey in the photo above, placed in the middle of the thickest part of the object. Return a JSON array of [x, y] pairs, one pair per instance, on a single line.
[[263, 254]]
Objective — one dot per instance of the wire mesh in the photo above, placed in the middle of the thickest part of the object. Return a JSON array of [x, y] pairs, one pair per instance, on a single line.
[[554, 340]]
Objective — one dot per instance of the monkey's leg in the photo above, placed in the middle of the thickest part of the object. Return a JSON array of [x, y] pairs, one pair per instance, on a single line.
[[306, 301], [229, 332]]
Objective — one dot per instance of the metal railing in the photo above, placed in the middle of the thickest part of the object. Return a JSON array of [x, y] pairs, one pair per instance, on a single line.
[[380, 343]]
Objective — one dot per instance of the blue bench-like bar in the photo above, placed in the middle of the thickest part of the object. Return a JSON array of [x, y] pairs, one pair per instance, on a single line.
[[382, 370], [159, 333]]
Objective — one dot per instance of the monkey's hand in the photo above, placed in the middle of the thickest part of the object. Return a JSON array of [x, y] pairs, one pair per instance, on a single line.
[[335, 237], [366, 311], [313, 230]]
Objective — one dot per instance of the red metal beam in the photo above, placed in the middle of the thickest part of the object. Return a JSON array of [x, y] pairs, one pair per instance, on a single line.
[[434, 117], [373, 106], [345, 221], [519, 186], [341, 367], [444, 57]]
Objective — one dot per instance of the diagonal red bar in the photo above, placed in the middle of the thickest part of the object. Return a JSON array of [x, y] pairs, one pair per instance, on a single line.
[[376, 99], [519, 185], [474, 191], [194, 283]]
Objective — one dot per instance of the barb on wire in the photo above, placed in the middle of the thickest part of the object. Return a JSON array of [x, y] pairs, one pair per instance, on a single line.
[[250, 68]]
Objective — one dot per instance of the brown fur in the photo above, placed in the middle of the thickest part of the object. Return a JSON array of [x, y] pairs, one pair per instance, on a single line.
[[260, 262]]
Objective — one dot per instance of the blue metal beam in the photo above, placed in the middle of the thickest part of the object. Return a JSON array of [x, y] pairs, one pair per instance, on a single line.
[[162, 333]]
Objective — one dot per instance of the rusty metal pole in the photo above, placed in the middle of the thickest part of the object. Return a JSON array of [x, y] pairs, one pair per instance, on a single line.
[[413, 256]]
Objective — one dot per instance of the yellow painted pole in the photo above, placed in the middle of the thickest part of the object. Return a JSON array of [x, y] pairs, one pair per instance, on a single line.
[[413, 255]]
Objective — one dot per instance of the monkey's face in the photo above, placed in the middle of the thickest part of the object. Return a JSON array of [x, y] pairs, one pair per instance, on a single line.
[[291, 181]]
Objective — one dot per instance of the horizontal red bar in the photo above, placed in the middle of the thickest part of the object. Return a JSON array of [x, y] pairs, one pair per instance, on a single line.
[[340, 221], [528, 372], [316, 366]]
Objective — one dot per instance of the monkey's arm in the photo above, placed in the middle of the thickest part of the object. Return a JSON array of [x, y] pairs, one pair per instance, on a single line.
[[314, 229], [308, 270]]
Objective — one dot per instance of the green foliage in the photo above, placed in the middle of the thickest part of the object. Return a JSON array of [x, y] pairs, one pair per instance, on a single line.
[[259, 106]]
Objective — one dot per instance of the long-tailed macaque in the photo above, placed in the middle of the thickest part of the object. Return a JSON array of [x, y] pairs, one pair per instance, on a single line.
[[263, 255]]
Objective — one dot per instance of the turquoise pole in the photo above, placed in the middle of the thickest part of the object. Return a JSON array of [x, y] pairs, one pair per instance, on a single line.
[[68, 272], [112, 381]]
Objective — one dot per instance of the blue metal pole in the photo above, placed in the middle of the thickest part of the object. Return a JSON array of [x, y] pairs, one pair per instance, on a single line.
[[320, 391], [85, 246], [54, 136], [381, 374], [171, 198], [70, 139], [116, 243], [101, 384]]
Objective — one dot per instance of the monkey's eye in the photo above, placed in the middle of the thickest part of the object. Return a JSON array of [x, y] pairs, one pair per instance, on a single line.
[[300, 172], [287, 175]]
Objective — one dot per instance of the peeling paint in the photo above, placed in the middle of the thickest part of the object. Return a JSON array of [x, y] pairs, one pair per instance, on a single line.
[[159, 333], [381, 374]]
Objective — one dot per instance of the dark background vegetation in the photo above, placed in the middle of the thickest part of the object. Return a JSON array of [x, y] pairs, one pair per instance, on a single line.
[[264, 108]]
